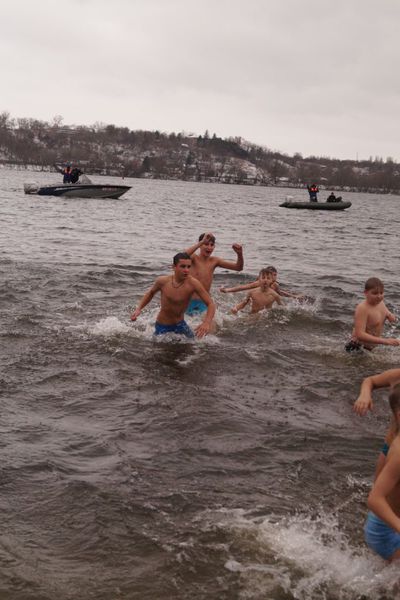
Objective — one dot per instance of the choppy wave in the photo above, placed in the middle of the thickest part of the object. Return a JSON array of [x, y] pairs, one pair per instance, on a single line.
[[125, 456]]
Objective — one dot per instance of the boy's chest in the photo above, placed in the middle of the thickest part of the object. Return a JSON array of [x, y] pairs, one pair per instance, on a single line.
[[176, 294], [376, 316]]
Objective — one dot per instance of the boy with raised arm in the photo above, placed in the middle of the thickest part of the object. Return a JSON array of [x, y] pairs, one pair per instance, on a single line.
[[261, 297], [369, 318], [204, 265], [254, 284], [176, 291]]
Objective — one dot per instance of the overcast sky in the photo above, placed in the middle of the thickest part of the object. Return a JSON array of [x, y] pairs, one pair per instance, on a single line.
[[311, 76]]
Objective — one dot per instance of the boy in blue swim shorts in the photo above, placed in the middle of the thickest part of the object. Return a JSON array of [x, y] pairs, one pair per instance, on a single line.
[[382, 528], [176, 291], [204, 265]]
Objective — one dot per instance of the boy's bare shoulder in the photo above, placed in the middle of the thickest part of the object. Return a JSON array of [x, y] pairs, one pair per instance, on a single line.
[[362, 307], [193, 282], [163, 279]]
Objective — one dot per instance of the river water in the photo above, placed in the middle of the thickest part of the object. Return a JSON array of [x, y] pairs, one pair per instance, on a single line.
[[226, 468]]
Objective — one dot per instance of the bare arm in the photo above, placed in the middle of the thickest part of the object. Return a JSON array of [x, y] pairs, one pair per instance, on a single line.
[[385, 483], [241, 305], [205, 326], [240, 288], [360, 330], [390, 316], [233, 266], [148, 296], [364, 401], [287, 294], [279, 300], [192, 249]]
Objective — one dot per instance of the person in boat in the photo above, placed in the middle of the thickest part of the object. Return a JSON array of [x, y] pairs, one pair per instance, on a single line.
[[204, 265], [331, 198], [65, 172], [313, 191], [262, 297], [274, 286], [369, 318], [176, 292], [75, 174]]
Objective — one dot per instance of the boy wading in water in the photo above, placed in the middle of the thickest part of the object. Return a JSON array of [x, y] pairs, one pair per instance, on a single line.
[[382, 528], [369, 319], [255, 284], [261, 297], [176, 291], [204, 265]]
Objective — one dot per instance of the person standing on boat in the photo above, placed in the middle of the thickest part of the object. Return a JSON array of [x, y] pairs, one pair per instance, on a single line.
[[65, 172], [75, 174], [313, 191]]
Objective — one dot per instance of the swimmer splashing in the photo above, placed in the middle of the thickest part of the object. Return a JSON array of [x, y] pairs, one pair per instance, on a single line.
[[176, 291]]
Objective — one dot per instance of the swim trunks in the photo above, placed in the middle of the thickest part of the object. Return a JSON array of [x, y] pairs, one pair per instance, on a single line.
[[181, 328], [381, 538], [196, 307], [353, 346], [385, 449]]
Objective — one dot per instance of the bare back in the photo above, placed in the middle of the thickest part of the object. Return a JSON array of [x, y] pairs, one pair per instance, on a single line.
[[393, 462]]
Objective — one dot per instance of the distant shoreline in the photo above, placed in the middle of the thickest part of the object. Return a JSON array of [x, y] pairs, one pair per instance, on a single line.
[[279, 184]]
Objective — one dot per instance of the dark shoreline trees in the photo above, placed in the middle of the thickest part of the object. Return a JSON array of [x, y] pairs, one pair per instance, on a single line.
[[111, 150]]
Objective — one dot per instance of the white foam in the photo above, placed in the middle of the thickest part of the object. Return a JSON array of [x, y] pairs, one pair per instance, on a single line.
[[108, 327], [308, 557]]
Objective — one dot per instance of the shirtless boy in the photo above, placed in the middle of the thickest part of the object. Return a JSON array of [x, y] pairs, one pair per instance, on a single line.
[[369, 319], [204, 265], [382, 528], [261, 297], [254, 284], [176, 291], [364, 403]]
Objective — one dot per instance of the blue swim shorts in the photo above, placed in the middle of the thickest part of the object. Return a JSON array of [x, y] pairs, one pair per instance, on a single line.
[[180, 328], [385, 448], [196, 307], [381, 538]]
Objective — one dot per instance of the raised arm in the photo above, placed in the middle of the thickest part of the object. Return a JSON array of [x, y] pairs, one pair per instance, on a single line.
[[148, 296], [59, 169], [364, 401], [360, 330], [240, 288], [233, 266], [206, 324], [192, 249]]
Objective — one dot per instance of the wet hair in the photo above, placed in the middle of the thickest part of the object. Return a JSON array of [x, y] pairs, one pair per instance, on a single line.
[[373, 283], [264, 272], [211, 237], [181, 256], [271, 269]]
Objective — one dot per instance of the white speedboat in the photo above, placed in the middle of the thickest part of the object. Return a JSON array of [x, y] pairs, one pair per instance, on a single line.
[[83, 189]]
